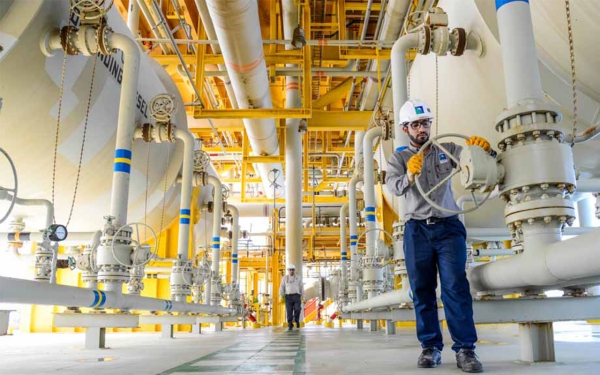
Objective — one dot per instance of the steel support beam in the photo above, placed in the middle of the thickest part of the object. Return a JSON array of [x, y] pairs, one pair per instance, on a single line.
[[536, 342]]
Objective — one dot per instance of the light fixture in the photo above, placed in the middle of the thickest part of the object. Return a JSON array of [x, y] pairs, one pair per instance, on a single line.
[[298, 39]]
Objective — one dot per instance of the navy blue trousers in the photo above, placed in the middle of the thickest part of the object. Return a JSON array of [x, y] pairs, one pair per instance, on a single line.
[[429, 249]]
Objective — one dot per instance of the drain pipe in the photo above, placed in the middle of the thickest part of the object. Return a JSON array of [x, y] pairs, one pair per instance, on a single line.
[[372, 265], [237, 26], [133, 18], [182, 268], [343, 292], [34, 293], [354, 287], [215, 285]]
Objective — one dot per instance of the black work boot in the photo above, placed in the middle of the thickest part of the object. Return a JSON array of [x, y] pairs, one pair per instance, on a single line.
[[298, 325], [429, 358], [290, 327], [467, 360]]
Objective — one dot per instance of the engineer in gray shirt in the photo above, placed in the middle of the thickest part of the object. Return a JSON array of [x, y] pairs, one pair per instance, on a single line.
[[434, 240]]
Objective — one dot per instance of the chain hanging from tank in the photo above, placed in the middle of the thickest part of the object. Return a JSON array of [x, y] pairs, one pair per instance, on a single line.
[[60, 99], [573, 75], [437, 96], [162, 213], [85, 126]]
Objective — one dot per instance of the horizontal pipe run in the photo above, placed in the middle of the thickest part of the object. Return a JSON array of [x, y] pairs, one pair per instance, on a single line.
[[74, 237], [315, 42], [36, 293], [396, 297], [503, 233]]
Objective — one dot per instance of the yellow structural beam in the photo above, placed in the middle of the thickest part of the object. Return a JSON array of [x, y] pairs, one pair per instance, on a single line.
[[334, 94], [252, 113]]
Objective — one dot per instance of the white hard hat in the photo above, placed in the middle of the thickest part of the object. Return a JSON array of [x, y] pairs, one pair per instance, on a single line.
[[291, 267], [414, 110]]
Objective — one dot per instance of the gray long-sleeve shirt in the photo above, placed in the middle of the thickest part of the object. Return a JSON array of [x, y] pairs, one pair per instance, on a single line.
[[291, 285], [436, 166]]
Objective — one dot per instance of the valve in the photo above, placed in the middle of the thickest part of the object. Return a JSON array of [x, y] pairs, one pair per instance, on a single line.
[[201, 160], [471, 172], [142, 252], [13, 192], [162, 107]]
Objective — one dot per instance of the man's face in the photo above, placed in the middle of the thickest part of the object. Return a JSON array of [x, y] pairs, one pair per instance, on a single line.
[[418, 131], [291, 272]]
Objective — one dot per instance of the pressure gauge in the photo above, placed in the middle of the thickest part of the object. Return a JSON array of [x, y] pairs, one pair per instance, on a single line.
[[58, 232]]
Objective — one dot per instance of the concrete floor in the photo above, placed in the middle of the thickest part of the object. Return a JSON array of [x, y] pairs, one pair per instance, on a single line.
[[313, 350]]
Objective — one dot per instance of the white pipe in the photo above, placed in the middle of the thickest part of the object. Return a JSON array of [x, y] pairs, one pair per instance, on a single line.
[[73, 237], [125, 126], [5, 195], [497, 234], [400, 96], [343, 243], [369, 187], [238, 30], [521, 69], [463, 199], [133, 17], [396, 297], [293, 153], [354, 267], [235, 229], [586, 209], [591, 185], [186, 192], [216, 237], [390, 30], [212, 35], [543, 263], [32, 292]]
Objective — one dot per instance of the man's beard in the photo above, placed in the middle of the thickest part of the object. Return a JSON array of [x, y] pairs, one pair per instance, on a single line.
[[418, 141]]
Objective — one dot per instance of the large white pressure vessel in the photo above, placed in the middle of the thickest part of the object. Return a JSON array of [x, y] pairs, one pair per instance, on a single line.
[[29, 88], [472, 92]]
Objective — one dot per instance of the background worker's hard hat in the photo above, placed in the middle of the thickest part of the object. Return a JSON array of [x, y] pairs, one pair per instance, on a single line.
[[414, 110], [291, 267]]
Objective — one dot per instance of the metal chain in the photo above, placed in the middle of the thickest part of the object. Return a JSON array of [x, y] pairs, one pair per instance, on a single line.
[[162, 214], [437, 86], [573, 75], [85, 125], [147, 187], [60, 99]]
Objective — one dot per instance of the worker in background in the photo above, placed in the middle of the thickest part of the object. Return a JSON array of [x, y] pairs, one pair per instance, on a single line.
[[434, 240], [292, 293]]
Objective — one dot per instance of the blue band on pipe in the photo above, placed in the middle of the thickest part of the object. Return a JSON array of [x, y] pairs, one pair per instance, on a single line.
[[216, 238], [122, 167], [500, 3], [344, 258], [184, 221], [123, 153], [352, 243], [96, 298], [185, 212], [102, 298], [234, 255], [371, 218], [216, 246], [369, 209], [401, 148], [354, 237], [234, 261]]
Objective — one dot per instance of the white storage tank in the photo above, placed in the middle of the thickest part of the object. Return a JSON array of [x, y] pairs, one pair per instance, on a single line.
[[29, 88]]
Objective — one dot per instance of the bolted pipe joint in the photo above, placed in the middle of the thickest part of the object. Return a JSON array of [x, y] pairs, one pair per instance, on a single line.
[[86, 40], [114, 256], [180, 279], [43, 261], [216, 289]]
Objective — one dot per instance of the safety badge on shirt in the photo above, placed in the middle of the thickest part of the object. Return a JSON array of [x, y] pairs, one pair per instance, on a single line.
[[443, 158]]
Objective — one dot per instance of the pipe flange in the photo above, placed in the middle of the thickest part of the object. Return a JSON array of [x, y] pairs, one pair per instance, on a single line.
[[441, 41], [102, 34], [458, 37], [424, 46], [210, 207], [67, 36], [147, 132]]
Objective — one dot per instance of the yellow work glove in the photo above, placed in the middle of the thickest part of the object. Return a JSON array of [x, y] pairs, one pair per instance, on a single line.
[[282, 299], [479, 141], [415, 163], [303, 300]]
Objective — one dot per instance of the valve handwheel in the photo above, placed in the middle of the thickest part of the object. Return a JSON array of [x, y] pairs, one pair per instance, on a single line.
[[14, 190], [137, 244], [456, 170], [162, 107]]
